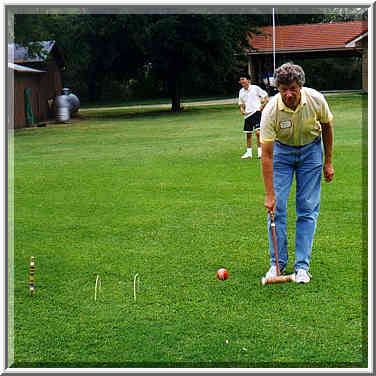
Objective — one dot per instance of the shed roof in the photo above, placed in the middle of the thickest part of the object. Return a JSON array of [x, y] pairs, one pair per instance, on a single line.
[[21, 68], [305, 37], [19, 54]]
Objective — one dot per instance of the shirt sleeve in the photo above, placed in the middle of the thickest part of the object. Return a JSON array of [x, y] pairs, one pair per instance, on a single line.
[[325, 115], [267, 125]]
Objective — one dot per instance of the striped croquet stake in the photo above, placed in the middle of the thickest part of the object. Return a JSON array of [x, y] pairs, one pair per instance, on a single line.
[[31, 276]]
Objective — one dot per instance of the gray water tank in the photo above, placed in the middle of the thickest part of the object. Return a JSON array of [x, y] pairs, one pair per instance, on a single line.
[[67, 104], [73, 99], [62, 105], [75, 103]]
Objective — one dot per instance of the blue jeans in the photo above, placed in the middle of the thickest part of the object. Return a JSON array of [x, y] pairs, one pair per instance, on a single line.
[[306, 162]]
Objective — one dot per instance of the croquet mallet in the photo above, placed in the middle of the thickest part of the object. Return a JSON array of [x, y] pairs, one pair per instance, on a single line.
[[278, 278]]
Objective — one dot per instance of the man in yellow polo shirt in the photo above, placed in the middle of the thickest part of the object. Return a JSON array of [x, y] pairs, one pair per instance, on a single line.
[[294, 125]]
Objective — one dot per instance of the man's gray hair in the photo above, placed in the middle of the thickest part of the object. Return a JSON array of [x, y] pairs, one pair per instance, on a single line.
[[288, 73]]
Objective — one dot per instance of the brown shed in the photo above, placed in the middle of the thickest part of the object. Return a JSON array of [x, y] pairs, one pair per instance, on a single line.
[[25, 77], [41, 74]]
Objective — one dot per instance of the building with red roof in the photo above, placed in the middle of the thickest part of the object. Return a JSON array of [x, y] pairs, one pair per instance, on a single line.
[[307, 41]]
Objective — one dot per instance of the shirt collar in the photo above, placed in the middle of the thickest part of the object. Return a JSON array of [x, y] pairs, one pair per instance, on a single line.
[[283, 107]]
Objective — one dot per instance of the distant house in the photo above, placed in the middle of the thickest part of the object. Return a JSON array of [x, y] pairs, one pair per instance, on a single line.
[[307, 41], [40, 74]]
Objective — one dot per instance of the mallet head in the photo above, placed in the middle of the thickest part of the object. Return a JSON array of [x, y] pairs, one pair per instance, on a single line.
[[278, 279]]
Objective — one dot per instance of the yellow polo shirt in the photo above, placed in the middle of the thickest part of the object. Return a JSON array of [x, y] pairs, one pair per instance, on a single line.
[[295, 128]]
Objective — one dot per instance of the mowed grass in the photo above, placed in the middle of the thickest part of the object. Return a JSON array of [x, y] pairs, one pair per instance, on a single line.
[[167, 196]]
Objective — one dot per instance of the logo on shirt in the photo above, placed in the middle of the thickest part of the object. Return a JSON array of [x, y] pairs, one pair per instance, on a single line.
[[285, 124]]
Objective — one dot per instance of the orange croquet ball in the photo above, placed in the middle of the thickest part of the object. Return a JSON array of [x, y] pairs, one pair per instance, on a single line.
[[222, 274]]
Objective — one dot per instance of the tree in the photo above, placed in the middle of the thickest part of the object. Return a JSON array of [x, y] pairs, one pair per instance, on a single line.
[[319, 15], [177, 48], [113, 48], [181, 50], [27, 29], [96, 46], [181, 47]]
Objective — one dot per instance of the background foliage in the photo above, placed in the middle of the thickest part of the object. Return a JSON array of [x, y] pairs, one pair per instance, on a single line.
[[137, 56]]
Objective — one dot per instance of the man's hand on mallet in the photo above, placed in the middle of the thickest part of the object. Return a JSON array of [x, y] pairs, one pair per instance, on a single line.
[[269, 203]]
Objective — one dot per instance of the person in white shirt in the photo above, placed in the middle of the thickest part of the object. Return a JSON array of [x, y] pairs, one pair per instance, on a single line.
[[252, 100]]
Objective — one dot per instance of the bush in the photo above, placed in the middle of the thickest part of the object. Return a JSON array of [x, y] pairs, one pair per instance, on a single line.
[[333, 73]]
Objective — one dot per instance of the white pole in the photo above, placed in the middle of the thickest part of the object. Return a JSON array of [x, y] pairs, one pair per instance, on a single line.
[[134, 286], [97, 282], [273, 42]]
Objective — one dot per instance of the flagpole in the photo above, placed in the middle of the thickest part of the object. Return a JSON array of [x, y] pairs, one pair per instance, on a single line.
[[273, 42]]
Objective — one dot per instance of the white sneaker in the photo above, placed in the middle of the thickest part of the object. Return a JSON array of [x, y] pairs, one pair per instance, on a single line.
[[247, 154], [302, 276], [272, 272]]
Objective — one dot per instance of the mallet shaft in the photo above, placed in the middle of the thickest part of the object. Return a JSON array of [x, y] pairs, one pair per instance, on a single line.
[[278, 278], [274, 236]]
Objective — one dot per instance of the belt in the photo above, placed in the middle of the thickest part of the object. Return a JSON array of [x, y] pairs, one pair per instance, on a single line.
[[318, 138]]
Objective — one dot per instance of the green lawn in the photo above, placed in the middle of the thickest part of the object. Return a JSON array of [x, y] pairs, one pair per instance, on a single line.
[[167, 196]]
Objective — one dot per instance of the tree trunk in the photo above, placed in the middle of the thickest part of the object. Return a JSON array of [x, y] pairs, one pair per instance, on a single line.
[[174, 91], [175, 103]]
